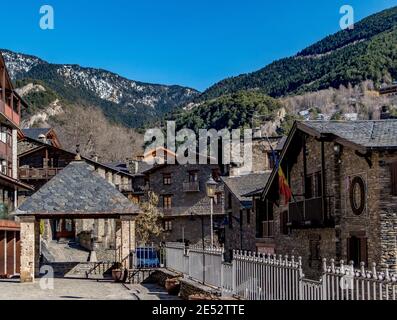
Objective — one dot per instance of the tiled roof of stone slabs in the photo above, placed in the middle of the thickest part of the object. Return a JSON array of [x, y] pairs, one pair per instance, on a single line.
[[367, 133], [244, 184], [77, 189], [34, 133]]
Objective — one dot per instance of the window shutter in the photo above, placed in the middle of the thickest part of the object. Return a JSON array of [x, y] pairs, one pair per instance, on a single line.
[[394, 178], [348, 242], [364, 251]]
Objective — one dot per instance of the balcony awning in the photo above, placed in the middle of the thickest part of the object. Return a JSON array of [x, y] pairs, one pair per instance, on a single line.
[[14, 184], [78, 192]]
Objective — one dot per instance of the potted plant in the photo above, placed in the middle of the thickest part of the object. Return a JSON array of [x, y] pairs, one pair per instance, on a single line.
[[172, 286], [118, 272]]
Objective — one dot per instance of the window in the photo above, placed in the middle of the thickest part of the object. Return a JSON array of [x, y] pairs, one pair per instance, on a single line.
[[270, 160], [218, 198], [284, 223], [309, 187], [3, 134], [167, 179], [168, 225], [357, 250], [230, 220], [248, 216], [319, 183], [394, 179], [314, 247], [193, 176], [229, 200], [4, 167], [167, 202], [216, 174]]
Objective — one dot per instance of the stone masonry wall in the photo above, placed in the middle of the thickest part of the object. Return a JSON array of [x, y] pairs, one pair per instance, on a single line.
[[377, 223]]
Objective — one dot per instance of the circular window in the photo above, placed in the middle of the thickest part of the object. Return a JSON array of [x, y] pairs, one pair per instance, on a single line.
[[357, 195]]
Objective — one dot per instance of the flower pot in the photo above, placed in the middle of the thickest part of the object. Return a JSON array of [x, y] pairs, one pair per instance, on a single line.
[[118, 275], [172, 286]]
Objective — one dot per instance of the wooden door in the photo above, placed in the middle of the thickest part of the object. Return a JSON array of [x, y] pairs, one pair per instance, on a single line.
[[2, 252], [65, 228]]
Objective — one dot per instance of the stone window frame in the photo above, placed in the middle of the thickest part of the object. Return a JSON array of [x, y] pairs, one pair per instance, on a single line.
[[167, 201], [348, 209], [358, 209], [393, 178], [167, 225], [167, 179]]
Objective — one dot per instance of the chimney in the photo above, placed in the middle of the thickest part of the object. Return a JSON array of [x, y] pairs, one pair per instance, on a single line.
[[42, 138], [77, 157], [132, 166]]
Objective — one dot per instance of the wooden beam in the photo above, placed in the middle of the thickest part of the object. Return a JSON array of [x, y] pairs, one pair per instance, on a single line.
[[3, 84]]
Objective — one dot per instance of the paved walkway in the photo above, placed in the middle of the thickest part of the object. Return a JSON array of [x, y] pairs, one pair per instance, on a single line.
[[66, 289], [81, 289]]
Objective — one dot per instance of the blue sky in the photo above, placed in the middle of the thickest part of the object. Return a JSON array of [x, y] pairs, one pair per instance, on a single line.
[[188, 42]]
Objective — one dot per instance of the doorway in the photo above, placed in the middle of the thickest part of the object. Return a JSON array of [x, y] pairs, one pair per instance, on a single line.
[[64, 229]]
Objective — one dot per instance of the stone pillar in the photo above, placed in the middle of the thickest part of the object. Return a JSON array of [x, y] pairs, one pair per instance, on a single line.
[[30, 233], [125, 239]]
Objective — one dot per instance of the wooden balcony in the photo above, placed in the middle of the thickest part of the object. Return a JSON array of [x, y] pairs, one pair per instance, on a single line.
[[11, 114], [310, 213], [38, 173], [191, 186], [267, 229]]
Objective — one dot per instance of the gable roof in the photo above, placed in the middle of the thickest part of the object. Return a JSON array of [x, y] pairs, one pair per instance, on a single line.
[[363, 136], [369, 134], [34, 133], [77, 191], [240, 186], [41, 145]]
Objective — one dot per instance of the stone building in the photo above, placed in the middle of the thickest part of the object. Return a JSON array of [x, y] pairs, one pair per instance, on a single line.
[[183, 200], [240, 223], [40, 159], [343, 177], [78, 193]]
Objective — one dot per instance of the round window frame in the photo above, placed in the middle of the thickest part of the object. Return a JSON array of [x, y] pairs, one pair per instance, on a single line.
[[359, 183]]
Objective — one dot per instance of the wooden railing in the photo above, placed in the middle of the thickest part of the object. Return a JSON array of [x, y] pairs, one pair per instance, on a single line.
[[38, 173], [267, 229], [310, 212], [191, 186], [9, 112]]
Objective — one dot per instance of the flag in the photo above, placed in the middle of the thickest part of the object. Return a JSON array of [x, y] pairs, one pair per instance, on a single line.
[[283, 186]]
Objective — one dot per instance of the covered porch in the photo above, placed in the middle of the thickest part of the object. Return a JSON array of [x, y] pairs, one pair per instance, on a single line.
[[76, 193]]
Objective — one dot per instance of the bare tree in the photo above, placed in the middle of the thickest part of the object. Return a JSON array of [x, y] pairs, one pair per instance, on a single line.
[[148, 223]]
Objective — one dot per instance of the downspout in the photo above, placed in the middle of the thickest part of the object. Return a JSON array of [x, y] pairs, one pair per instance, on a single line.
[[323, 185]]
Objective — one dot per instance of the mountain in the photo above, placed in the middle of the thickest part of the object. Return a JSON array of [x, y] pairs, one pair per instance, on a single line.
[[367, 52], [127, 102]]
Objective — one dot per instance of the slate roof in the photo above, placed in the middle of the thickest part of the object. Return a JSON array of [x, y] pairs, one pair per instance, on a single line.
[[33, 133], [367, 133], [77, 190], [245, 184]]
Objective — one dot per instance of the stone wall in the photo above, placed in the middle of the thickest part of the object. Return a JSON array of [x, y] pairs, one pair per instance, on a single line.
[[185, 203], [377, 223], [237, 236]]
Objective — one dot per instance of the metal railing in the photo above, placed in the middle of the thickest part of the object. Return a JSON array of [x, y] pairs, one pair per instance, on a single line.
[[38, 173], [310, 212], [271, 277], [191, 186]]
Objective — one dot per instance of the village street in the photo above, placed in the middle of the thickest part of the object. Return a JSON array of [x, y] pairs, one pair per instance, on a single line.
[[80, 289]]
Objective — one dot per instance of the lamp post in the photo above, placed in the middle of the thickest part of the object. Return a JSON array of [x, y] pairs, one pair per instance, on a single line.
[[211, 189], [192, 215]]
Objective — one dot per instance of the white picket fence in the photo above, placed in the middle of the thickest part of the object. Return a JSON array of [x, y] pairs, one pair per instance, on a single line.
[[270, 277]]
